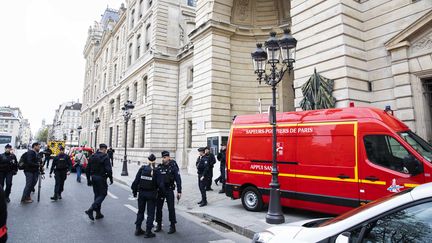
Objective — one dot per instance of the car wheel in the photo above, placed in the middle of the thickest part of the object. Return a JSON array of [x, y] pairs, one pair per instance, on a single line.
[[252, 199]]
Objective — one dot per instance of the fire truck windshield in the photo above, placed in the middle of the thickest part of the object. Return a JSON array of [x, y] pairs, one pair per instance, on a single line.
[[420, 145]]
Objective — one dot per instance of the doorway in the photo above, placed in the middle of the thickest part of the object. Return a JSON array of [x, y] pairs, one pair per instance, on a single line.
[[427, 91]]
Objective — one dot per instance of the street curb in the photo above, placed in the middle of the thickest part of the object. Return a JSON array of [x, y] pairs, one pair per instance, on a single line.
[[235, 228]]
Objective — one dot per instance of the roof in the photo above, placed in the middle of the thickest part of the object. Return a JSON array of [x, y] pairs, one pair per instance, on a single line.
[[74, 106], [338, 114]]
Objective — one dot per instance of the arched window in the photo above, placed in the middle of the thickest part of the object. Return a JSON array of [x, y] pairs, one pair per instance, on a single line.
[[132, 18], [138, 48], [145, 88], [129, 60], [147, 37]]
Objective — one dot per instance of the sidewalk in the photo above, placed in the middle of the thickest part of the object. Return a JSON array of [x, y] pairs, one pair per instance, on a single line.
[[220, 209]]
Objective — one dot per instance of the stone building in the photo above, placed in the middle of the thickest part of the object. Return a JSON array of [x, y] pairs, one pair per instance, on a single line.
[[188, 68], [378, 52], [66, 120]]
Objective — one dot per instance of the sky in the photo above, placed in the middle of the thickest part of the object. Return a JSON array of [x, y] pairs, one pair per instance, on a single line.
[[41, 53]]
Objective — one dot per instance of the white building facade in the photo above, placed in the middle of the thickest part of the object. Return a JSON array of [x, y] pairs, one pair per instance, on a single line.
[[66, 121], [188, 68]]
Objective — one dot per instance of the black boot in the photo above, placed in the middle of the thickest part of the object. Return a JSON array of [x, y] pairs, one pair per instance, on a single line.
[[203, 204], [90, 214], [199, 202], [172, 229], [216, 181], [99, 215], [139, 231], [54, 198], [158, 227], [59, 196], [149, 234]]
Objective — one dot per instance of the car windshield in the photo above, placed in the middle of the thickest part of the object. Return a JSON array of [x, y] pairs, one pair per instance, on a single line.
[[362, 208], [420, 145]]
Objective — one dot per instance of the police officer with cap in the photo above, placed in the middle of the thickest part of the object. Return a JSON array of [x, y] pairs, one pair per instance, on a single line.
[[203, 168], [212, 162], [8, 168], [61, 166], [97, 171], [169, 173], [146, 184]]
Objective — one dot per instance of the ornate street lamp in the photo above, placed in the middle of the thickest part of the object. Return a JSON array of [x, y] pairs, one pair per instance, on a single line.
[[127, 113], [79, 129], [278, 67], [71, 134], [96, 125]]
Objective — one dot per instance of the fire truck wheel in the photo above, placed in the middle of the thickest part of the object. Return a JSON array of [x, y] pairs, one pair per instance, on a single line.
[[252, 199]]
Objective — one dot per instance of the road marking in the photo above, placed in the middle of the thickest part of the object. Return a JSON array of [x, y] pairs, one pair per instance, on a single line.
[[112, 195], [131, 198], [134, 209]]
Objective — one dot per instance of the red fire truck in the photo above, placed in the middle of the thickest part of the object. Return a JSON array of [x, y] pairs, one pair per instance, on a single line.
[[329, 160]]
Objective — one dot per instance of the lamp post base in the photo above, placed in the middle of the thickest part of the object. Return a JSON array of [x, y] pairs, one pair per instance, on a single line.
[[274, 214], [124, 170]]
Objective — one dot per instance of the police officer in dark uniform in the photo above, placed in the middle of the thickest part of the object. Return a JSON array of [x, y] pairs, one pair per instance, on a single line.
[[212, 162], [203, 168], [47, 152], [61, 166], [169, 173], [97, 171], [222, 158], [8, 168], [146, 183]]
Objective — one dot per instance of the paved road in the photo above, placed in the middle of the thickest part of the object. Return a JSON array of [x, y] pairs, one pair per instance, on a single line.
[[65, 221]]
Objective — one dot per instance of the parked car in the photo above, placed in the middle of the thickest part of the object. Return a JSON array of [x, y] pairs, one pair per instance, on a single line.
[[402, 217], [73, 151], [330, 160]]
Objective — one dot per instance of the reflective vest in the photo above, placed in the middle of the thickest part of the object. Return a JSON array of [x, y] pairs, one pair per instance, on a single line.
[[3, 231]]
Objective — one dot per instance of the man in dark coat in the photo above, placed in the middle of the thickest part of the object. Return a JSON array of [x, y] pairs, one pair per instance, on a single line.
[[61, 166], [8, 168], [32, 168], [98, 171]]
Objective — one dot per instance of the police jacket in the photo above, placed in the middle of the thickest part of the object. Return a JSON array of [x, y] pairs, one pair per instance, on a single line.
[[222, 158], [100, 165], [203, 166], [32, 162], [169, 174], [47, 152], [146, 179], [61, 163], [3, 213], [212, 160], [8, 162]]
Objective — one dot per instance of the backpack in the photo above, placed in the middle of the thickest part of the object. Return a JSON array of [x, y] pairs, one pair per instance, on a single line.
[[22, 161], [61, 163]]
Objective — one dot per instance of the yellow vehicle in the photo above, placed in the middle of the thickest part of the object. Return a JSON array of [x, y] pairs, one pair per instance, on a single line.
[[55, 146]]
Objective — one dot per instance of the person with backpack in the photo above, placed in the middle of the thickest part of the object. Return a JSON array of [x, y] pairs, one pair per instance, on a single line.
[[61, 166], [8, 168], [98, 171], [80, 159], [31, 163], [146, 184]]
